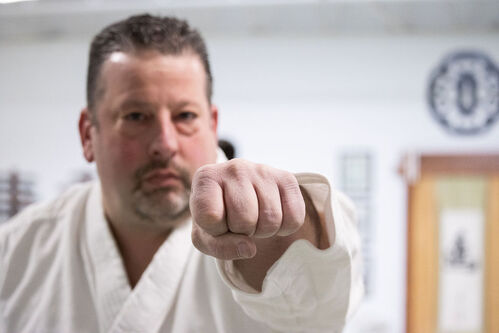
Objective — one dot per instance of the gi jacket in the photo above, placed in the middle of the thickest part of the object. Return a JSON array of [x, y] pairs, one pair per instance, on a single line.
[[61, 271]]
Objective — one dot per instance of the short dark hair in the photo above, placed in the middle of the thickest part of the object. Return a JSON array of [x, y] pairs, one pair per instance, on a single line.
[[167, 35], [228, 148]]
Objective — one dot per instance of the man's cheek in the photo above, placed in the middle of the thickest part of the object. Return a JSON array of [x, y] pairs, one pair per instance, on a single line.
[[200, 158], [131, 154]]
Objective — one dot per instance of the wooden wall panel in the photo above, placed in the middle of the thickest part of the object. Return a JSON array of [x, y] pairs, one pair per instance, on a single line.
[[492, 259], [422, 271]]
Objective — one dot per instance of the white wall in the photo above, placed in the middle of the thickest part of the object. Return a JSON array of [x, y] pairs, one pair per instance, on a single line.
[[294, 103]]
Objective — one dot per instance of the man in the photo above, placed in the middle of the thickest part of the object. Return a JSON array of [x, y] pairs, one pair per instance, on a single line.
[[117, 256]]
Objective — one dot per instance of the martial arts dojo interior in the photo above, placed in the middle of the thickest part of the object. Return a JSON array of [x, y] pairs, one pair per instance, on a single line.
[[395, 101]]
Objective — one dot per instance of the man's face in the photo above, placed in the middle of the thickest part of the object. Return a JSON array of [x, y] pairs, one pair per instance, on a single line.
[[155, 128]]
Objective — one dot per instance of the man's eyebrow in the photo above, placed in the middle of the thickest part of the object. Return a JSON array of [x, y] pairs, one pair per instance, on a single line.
[[144, 105], [185, 103], [136, 104]]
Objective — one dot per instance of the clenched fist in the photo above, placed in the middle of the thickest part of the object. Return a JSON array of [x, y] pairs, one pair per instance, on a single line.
[[233, 204]]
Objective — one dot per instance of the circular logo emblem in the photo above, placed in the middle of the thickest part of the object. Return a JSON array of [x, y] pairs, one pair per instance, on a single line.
[[464, 93]]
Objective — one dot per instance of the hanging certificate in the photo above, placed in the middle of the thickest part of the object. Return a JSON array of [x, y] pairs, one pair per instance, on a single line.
[[461, 262]]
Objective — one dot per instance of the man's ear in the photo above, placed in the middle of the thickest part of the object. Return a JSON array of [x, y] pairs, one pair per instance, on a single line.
[[85, 127], [214, 118]]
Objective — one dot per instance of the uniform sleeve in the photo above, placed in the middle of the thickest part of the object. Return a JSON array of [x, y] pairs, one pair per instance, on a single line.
[[308, 289]]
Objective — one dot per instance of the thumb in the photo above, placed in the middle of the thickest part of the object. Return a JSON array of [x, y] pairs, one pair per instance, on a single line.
[[228, 246]]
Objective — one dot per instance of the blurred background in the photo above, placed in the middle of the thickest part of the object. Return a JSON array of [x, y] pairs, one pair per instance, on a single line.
[[395, 101]]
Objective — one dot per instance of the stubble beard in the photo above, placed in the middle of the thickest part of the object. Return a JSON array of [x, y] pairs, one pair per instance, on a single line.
[[163, 206]]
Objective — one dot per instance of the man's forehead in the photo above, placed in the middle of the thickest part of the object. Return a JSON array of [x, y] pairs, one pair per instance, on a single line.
[[184, 61], [118, 57], [132, 71], [143, 66]]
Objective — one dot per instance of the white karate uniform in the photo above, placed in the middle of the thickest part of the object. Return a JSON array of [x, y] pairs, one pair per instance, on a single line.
[[61, 271]]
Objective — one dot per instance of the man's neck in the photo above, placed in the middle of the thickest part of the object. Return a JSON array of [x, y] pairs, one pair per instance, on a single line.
[[137, 248]]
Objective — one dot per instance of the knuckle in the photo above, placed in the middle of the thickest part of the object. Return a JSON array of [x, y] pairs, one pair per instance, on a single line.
[[295, 218], [242, 214], [209, 215], [205, 175], [289, 181], [204, 212], [196, 238], [242, 221], [264, 171], [210, 220], [271, 217], [268, 229], [295, 223], [242, 226], [292, 195], [237, 169]]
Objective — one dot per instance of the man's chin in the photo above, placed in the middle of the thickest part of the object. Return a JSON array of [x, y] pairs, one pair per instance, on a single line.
[[163, 204]]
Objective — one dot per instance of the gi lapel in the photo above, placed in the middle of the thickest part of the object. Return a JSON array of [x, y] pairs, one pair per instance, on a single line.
[[154, 296], [103, 264]]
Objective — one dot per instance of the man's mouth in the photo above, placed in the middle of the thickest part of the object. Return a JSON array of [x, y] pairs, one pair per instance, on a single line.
[[161, 178]]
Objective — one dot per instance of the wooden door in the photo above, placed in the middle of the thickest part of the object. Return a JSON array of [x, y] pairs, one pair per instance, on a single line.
[[466, 184]]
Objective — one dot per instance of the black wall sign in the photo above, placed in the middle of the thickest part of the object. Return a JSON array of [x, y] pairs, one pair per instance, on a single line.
[[464, 92]]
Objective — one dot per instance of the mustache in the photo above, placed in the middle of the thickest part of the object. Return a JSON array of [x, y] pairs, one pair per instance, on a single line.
[[180, 171]]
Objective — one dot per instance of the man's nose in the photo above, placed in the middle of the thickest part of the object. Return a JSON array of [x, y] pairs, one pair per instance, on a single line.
[[164, 144]]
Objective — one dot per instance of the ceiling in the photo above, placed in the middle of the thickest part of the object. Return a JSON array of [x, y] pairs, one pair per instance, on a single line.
[[62, 18]]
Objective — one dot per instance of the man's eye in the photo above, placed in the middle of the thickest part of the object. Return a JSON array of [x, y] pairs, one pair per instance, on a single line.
[[186, 116], [135, 116]]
